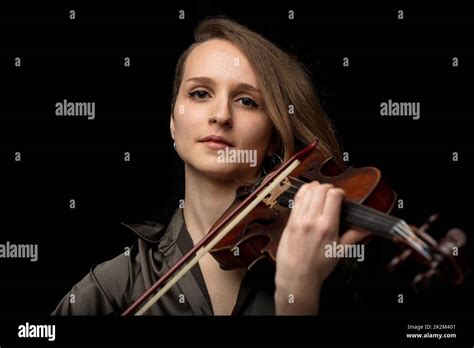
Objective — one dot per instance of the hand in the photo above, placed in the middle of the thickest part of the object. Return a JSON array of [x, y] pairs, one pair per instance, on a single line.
[[301, 263]]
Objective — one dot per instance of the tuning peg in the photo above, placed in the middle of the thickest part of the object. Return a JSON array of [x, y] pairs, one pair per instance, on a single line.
[[427, 225], [398, 260], [423, 281]]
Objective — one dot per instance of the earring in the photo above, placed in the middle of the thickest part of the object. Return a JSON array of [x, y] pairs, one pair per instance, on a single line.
[[269, 163], [174, 145]]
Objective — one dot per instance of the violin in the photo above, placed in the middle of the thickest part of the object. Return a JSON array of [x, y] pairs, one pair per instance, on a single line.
[[250, 229]]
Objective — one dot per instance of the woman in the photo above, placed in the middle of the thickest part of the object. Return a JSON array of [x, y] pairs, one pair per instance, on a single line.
[[233, 91]]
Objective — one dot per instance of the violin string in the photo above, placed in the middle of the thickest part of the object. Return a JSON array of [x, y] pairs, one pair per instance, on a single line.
[[418, 245], [296, 179], [385, 221], [391, 223], [382, 217], [404, 232], [366, 212], [372, 210], [413, 239], [365, 209], [385, 227]]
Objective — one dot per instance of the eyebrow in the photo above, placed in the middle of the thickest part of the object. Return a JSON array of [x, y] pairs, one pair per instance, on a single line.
[[207, 80]]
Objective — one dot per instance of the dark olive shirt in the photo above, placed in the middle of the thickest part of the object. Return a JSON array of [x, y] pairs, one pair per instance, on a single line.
[[112, 286]]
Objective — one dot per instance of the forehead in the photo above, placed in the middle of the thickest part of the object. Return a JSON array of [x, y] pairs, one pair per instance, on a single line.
[[220, 60]]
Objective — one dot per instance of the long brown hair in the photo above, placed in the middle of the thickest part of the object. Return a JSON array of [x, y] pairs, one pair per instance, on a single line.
[[289, 98]]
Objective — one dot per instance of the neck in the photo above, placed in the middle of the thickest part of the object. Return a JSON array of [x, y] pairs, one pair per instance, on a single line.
[[205, 201]]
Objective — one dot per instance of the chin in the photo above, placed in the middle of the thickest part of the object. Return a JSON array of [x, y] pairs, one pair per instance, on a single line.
[[221, 171]]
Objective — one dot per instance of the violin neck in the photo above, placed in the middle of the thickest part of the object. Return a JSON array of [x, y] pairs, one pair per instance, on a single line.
[[354, 215], [359, 216]]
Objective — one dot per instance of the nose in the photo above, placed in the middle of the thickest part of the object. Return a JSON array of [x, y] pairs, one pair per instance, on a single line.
[[221, 114]]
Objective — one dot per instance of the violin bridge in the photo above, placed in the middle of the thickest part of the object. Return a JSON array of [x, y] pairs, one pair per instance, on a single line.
[[272, 198]]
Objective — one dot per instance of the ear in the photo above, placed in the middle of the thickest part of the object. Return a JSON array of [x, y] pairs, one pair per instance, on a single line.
[[172, 126]]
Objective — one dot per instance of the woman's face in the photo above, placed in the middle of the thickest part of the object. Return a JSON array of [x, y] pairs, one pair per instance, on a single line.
[[219, 97]]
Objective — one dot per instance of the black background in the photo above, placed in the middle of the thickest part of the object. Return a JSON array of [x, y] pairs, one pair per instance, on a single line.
[[407, 60]]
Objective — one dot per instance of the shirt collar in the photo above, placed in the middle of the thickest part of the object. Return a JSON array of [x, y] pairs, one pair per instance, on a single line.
[[157, 233]]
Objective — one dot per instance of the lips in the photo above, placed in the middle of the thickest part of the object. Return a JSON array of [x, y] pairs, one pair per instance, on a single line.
[[216, 139]]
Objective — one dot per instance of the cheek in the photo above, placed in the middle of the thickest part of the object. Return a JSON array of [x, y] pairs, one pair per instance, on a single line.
[[187, 118], [257, 135]]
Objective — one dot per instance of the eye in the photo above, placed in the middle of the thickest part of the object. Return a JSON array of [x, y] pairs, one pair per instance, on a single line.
[[198, 94], [246, 101]]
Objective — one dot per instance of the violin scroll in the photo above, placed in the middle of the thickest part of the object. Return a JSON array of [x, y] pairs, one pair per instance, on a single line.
[[443, 262]]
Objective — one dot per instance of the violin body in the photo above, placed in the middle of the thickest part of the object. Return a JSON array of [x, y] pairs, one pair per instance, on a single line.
[[257, 236]]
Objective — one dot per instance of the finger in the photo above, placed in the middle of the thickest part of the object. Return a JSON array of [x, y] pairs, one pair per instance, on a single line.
[[332, 206], [317, 198], [300, 205]]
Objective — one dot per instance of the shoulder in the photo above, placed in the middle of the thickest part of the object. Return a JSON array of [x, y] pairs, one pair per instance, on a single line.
[[108, 287], [117, 277]]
